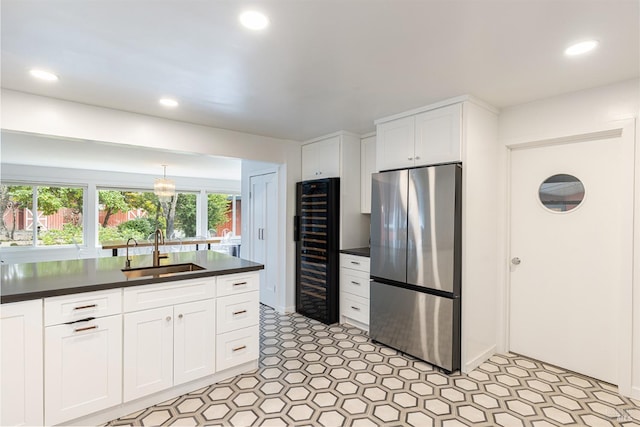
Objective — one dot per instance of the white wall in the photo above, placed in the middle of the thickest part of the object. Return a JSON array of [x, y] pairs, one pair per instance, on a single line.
[[288, 175], [602, 108]]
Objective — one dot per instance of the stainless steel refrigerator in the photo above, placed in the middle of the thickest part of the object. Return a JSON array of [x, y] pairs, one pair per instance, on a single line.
[[416, 262]]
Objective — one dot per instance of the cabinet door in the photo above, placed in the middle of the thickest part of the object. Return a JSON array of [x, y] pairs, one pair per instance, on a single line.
[[367, 167], [438, 135], [148, 352], [194, 332], [309, 162], [321, 159], [395, 144], [83, 368], [21, 363], [328, 157]]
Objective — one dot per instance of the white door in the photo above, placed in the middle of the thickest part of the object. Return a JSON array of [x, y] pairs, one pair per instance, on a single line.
[[83, 368], [264, 242], [395, 144], [148, 352], [194, 337], [569, 268]]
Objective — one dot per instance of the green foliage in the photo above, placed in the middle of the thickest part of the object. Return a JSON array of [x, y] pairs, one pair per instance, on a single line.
[[138, 228], [113, 200], [69, 235], [186, 214], [218, 206]]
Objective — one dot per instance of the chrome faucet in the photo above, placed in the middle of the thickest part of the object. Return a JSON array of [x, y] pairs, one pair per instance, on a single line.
[[127, 265], [158, 239]]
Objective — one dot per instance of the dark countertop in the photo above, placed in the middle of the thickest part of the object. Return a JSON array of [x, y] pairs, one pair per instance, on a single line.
[[356, 251], [21, 282]]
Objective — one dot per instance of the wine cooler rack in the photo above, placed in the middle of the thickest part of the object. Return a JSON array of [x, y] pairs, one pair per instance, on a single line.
[[317, 249]]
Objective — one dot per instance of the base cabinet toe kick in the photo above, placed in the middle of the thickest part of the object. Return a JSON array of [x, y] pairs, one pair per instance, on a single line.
[[92, 357]]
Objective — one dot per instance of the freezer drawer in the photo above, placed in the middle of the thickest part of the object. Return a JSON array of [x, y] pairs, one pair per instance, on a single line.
[[420, 324]]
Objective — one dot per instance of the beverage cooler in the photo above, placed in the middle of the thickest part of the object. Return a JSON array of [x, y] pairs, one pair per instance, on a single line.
[[317, 232]]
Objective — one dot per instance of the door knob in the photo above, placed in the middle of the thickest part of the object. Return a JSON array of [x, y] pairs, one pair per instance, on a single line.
[[516, 261]]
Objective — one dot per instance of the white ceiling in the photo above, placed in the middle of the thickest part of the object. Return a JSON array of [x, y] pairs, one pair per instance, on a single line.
[[322, 65]]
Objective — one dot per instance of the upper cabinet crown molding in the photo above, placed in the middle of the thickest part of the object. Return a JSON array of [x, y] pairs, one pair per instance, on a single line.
[[440, 104]]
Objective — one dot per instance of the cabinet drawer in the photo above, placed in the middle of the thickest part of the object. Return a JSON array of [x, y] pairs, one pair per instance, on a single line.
[[354, 307], [354, 282], [168, 293], [354, 262], [69, 308], [237, 311], [238, 283], [237, 347]]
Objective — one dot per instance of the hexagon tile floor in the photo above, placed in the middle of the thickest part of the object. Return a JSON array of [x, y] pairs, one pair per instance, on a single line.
[[318, 375]]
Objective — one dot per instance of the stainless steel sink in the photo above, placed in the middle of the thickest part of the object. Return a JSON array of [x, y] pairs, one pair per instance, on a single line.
[[161, 271]]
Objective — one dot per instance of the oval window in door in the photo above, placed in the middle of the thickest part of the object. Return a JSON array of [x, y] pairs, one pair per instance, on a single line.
[[561, 192]]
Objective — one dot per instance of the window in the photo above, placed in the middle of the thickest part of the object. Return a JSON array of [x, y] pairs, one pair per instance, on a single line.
[[224, 212], [132, 213], [56, 218]]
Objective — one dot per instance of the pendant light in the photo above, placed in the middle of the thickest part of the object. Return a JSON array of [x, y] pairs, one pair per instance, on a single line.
[[164, 188]]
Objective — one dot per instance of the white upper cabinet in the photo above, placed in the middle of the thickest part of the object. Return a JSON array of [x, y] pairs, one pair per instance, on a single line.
[[367, 167], [437, 138], [338, 156], [395, 149], [321, 159], [420, 139]]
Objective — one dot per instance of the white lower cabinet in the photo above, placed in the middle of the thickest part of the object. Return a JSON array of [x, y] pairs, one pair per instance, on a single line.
[[21, 358], [83, 368], [354, 290], [148, 352], [167, 346]]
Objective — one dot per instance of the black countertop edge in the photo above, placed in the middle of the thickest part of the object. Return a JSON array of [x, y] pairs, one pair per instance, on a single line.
[[29, 286], [365, 252]]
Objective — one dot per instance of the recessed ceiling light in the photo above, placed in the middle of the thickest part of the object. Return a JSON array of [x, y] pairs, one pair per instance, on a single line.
[[168, 102], [43, 75], [580, 48], [254, 20]]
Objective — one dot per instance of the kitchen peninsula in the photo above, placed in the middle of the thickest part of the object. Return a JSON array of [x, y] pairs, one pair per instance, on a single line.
[[89, 344]]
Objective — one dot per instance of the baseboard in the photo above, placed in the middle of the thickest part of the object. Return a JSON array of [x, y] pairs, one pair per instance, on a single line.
[[479, 359], [288, 310], [115, 412]]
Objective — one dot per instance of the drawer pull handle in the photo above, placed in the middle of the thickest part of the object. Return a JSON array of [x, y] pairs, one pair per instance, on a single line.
[[86, 329], [86, 319], [242, 347], [355, 283], [235, 313], [168, 319], [355, 263], [239, 283], [355, 308], [180, 316], [84, 307]]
